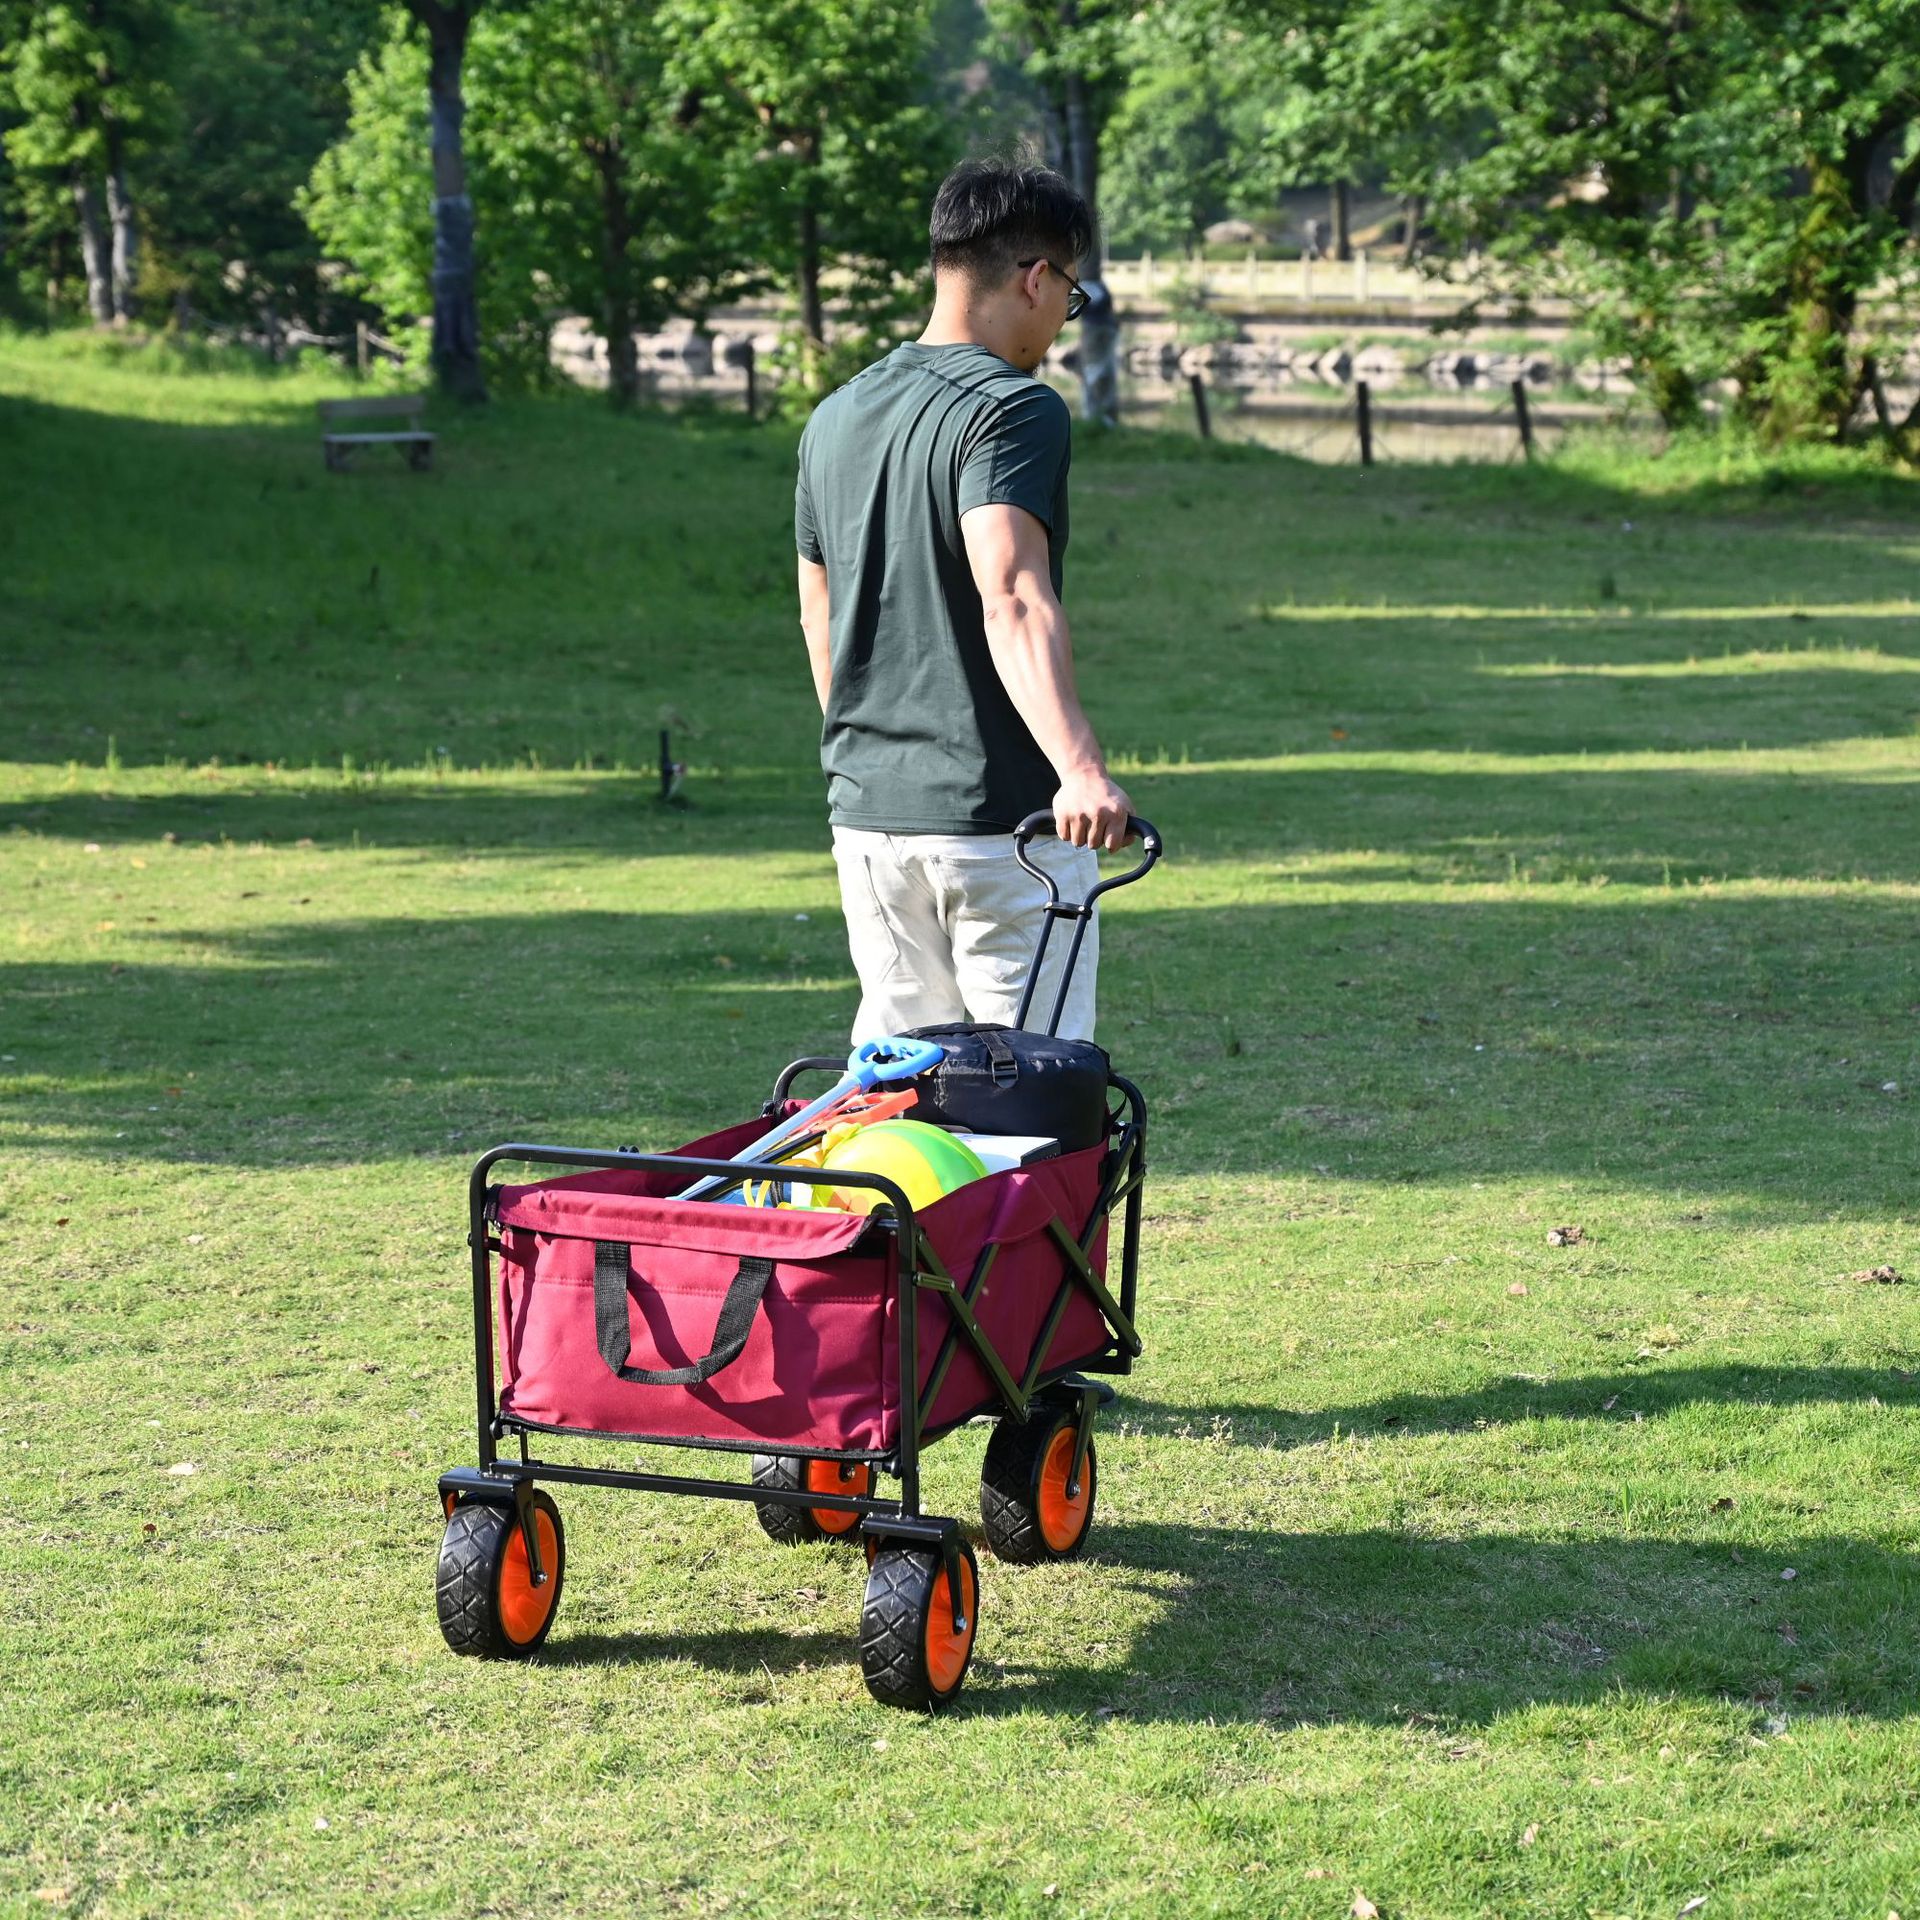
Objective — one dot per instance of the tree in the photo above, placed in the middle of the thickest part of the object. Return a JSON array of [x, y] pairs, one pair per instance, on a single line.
[[601, 186], [611, 161], [89, 92], [1175, 155], [1717, 185], [833, 104], [456, 306], [261, 87], [1074, 53]]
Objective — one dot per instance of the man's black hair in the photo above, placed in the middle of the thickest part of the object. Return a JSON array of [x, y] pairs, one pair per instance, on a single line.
[[989, 214]]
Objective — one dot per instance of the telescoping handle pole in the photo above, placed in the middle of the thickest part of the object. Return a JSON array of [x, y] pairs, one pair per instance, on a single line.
[[1141, 830]]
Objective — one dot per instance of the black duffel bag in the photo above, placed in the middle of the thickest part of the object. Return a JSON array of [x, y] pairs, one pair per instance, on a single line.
[[1010, 1080]]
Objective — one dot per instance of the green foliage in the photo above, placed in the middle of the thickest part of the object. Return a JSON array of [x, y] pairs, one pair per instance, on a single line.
[[1717, 186], [633, 164], [834, 109], [1174, 154]]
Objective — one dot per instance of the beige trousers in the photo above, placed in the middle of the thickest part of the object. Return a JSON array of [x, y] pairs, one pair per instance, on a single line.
[[942, 928]]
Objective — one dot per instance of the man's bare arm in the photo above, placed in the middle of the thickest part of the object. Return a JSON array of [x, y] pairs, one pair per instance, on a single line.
[[1027, 636], [813, 623]]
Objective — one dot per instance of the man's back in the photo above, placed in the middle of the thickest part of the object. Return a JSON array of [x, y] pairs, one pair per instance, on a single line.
[[920, 735]]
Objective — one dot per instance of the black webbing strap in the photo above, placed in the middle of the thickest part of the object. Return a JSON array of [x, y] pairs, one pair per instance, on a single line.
[[1005, 1068], [610, 1324]]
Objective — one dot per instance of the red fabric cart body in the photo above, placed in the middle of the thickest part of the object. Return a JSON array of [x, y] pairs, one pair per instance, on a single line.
[[820, 1371]]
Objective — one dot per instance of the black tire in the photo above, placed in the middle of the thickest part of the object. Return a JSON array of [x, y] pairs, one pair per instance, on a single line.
[[487, 1602], [1023, 1503], [795, 1526], [909, 1654]]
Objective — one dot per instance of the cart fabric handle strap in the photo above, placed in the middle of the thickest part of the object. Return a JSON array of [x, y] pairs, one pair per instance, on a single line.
[[611, 1265]]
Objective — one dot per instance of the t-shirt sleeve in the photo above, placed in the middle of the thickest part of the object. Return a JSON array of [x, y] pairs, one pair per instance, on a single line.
[[1019, 456], [806, 534]]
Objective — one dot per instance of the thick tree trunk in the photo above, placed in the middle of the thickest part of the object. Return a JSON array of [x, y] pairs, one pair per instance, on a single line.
[[618, 315], [456, 307], [95, 254], [1342, 221]]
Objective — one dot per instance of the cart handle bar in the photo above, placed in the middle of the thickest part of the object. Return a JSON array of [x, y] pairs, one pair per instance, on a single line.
[[1150, 846]]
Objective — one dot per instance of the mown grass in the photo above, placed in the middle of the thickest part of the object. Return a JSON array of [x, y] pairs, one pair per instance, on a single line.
[[1544, 851]]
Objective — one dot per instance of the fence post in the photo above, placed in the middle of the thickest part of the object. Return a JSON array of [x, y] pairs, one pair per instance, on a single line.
[[1360, 274], [1253, 274], [1146, 269], [1306, 275], [1524, 417], [1363, 395], [753, 385], [1200, 414], [360, 348]]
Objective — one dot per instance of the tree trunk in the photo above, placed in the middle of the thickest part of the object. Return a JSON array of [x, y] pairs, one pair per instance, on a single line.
[[1078, 135], [126, 230], [1413, 210], [618, 316], [95, 254], [1342, 222], [1811, 390], [456, 309], [813, 321]]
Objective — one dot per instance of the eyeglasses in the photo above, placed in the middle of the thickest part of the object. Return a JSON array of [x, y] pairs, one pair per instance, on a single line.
[[1077, 296]]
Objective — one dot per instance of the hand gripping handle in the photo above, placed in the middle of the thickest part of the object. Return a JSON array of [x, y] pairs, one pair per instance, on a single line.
[[1137, 829], [1150, 847]]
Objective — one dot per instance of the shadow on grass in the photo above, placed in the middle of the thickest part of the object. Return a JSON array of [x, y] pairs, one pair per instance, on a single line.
[[745, 1652], [1626, 1396], [1665, 825], [1753, 1048], [1393, 1627], [1403, 1627], [564, 574]]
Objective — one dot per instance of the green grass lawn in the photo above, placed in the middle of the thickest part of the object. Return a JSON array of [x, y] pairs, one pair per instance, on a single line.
[[1544, 849]]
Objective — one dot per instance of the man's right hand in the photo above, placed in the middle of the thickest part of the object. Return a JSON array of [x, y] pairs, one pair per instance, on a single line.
[[1091, 811]]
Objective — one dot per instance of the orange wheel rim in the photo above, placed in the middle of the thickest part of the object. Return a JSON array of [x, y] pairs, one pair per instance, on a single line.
[[946, 1650], [1063, 1520], [523, 1606], [837, 1476]]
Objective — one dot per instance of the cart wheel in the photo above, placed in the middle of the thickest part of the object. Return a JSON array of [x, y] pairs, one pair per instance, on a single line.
[[1023, 1488], [793, 1526], [488, 1603], [909, 1652]]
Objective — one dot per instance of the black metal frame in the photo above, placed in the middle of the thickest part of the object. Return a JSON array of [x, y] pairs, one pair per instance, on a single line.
[[509, 1482]]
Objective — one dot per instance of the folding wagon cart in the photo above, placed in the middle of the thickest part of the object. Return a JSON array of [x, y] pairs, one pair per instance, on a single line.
[[840, 1346]]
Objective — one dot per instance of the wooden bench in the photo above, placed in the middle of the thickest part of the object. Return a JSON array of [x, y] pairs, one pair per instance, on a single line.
[[413, 441]]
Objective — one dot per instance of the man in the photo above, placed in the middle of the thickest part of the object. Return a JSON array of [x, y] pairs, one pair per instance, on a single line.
[[931, 521]]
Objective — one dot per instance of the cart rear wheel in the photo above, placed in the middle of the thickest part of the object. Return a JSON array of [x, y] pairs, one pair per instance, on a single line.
[[484, 1588], [792, 1526], [1024, 1503], [910, 1651]]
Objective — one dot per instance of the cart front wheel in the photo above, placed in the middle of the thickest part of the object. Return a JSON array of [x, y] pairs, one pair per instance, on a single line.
[[793, 1526], [488, 1602], [911, 1652], [1027, 1503]]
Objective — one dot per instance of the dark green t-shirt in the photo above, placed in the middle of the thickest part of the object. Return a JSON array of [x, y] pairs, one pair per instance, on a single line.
[[920, 736]]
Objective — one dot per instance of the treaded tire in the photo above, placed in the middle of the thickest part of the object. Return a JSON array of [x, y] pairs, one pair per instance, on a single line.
[[909, 1654], [791, 1526], [1023, 1504], [795, 1526], [488, 1606]]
